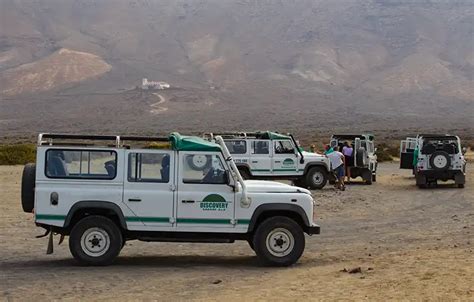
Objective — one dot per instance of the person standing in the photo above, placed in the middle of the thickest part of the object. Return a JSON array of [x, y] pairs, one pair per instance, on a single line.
[[337, 160], [348, 152]]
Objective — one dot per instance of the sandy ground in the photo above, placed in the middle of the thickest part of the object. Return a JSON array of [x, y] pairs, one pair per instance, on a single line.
[[411, 244]]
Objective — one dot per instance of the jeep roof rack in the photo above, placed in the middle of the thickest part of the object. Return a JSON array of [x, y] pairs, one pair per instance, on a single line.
[[177, 141], [438, 136], [254, 134]]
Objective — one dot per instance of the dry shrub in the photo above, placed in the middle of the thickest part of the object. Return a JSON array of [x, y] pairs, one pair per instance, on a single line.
[[17, 154]]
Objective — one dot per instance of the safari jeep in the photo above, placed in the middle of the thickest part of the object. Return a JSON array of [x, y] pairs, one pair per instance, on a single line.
[[101, 192], [271, 155], [365, 159], [434, 157]]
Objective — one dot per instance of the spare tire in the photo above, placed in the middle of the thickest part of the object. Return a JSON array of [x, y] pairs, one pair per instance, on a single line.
[[28, 188], [440, 160], [199, 162], [361, 157]]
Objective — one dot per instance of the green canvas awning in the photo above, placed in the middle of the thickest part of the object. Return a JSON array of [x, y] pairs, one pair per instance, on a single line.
[[191, 143]]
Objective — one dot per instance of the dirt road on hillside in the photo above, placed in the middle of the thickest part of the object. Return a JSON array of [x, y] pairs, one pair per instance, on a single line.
[[410, 244]]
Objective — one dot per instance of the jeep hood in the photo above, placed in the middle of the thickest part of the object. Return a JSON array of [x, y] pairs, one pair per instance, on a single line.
[[305, 153], [263, 186]]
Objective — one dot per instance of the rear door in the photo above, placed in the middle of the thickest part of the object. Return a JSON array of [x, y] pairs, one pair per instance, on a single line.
[[149, 189], [407, 149], [260, 157], [205, 200]]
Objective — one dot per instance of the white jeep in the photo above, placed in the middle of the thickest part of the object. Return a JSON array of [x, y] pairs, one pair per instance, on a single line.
[[101, 191], [364, 158], [271, 155], [434, 157]]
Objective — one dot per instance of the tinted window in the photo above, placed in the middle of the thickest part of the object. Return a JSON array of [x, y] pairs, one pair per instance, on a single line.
[[81, 164], [203, 169], [148, 167], [237, 146], [260, 147]]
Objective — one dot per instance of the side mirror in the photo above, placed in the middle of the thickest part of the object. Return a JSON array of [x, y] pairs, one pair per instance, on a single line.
[[375, 150], [464, 150]]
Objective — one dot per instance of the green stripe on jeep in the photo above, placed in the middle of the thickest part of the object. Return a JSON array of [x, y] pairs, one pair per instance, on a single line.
[[203, 220], [50, 217], [283, 170], [243, 221], [147, 219]]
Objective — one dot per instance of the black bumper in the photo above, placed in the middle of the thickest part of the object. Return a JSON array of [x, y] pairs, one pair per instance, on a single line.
[[313, 230]]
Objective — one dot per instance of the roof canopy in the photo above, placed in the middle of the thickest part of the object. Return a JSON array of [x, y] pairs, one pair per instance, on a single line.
[[270, 135], [191, 143], [370, 137]]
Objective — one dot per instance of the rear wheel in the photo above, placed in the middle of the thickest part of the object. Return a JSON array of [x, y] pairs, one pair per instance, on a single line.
[[316, 178], [95, 240], [278, 241]]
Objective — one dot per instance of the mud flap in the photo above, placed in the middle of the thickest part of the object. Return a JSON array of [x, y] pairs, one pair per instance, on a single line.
[[460, 179], [420, 180], [50, 248]]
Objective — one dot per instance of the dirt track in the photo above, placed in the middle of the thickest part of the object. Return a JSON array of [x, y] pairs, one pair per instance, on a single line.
[[410, 243]]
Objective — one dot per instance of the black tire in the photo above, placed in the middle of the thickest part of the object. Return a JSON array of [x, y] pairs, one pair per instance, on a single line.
[[367, 176], [96, 228], [244, 173], [361, 158], [316, 178], [444, 157], [202, 162], [283, 231], [28, 180], [250, 242]]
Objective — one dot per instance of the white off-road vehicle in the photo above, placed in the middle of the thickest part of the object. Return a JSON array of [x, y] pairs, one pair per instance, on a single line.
[[271, 155], [434, 157], [101, 191], [364, 159]]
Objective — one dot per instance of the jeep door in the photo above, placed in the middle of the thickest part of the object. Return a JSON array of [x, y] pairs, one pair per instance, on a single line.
[[260, 157], [205, 200], [285, 159], [149, 189], [407, 151]]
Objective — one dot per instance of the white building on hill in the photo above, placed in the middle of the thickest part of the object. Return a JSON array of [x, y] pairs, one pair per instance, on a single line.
[[154, 84]]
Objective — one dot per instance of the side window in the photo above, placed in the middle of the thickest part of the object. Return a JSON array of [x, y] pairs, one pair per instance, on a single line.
[[284, 147], [260, 147], [84, 164], [236, 146], [148, 167], [203, 169]]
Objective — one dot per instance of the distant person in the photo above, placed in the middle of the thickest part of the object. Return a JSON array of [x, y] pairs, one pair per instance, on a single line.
[[312, 148], [348, 152], [337, 166]]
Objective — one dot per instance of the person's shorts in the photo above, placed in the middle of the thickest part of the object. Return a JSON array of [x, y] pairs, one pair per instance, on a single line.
[[339, 171], [349, 161]]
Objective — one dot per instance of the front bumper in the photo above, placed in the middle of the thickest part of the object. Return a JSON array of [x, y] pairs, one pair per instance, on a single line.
[[313, 230]]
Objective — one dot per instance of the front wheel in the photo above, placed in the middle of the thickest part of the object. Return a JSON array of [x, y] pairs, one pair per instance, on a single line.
[[95, 240], [316, 178], [278, 241]]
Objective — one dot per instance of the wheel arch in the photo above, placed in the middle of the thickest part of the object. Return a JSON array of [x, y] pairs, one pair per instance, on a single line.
[[315, 164], [95, 207], [245, 167], [265, 211]]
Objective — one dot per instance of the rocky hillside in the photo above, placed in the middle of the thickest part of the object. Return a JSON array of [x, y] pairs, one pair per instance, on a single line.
[[288, 65]]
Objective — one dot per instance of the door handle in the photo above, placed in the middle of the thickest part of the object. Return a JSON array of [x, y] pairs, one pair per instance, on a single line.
[[278, 161], [254, 161], [188, 201], [134, 199]]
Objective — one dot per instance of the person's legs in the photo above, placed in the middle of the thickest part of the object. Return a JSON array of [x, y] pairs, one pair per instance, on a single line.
[[341, 176]]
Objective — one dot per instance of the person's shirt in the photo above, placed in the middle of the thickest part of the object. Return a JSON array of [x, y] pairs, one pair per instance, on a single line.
[[335, 158], [347, 151]]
